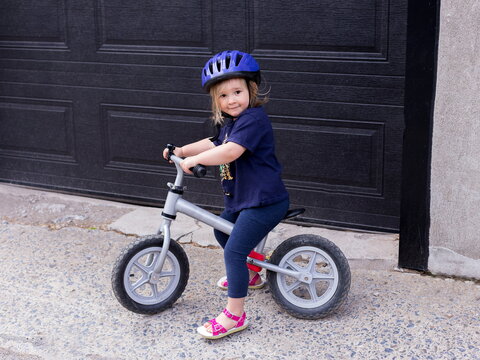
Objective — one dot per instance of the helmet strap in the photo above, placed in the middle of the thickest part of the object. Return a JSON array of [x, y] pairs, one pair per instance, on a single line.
[[227, 115]]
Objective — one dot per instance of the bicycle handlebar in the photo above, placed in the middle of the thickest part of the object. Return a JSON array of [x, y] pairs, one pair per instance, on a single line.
[[198, 171]]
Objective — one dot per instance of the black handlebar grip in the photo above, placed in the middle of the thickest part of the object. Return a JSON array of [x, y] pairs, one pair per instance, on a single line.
[[199, 170], [170, 148]]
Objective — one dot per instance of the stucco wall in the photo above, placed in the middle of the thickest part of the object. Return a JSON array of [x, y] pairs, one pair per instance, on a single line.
[[455, 176]]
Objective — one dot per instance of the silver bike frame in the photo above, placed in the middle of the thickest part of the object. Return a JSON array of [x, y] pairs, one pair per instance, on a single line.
[[175, 204]]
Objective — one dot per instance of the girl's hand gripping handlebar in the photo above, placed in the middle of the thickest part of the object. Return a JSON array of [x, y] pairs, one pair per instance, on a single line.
[[198, 170]]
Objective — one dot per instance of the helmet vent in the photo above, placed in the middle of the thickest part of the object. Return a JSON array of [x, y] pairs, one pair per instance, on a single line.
[[210, 67], [238, 59], [219, 65], [227, 61]]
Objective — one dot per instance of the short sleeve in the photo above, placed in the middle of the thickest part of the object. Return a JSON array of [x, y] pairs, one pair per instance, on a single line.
[[218, 139], [216, 142], [248, 132]]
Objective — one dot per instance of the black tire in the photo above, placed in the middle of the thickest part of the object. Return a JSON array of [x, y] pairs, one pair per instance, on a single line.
[[137, 260], [303, 300]]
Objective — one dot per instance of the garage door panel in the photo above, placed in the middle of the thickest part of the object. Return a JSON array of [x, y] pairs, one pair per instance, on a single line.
[[152, 26], [37, 128], [134, 137], [43, 24], [347, 37], [333, 156], [321, 29]]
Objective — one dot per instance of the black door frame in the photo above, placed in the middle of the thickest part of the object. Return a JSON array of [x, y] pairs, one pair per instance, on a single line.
[[420, 79]]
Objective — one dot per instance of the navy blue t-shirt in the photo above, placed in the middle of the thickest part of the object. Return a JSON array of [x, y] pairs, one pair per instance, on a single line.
[[254, 179]]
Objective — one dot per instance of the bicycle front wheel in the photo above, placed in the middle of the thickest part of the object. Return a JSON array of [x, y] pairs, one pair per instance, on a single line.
[[134, 283]]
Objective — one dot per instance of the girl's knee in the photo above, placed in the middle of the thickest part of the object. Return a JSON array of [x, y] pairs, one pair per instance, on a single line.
[[232, 255]]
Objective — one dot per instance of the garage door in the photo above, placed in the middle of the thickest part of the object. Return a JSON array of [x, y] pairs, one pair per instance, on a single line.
[[90, 91]]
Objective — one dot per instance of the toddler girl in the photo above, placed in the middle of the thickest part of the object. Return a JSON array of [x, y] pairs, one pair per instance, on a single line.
[[255, 197]]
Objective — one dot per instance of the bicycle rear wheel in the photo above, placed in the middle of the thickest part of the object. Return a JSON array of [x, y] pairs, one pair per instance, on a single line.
[[326, 281]]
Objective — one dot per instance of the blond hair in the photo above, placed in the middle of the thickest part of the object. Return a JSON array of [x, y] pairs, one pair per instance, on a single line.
[[254, 99]]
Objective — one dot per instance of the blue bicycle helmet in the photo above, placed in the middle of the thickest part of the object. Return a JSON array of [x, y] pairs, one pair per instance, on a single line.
[[229, 64]]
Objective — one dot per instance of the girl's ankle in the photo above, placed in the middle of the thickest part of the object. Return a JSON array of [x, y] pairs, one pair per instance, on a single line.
[[251, 277]]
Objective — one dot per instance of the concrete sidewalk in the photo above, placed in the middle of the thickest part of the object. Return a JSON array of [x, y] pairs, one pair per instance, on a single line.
[[54, 210], [56, 300]]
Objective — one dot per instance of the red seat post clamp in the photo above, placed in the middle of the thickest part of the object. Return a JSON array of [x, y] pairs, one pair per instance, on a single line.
[[255, 255]]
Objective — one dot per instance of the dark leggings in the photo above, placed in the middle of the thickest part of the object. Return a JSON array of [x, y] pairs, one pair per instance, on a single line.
[[251, 226]]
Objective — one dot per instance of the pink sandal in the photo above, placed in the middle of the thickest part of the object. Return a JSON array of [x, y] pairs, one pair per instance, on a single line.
[[218, 331], [223, 283]]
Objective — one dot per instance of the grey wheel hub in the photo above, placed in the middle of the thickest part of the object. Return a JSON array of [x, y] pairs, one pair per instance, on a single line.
[[318, 281], [143, 285]]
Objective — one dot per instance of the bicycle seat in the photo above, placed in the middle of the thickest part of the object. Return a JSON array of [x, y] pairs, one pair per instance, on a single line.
[[293, 212]]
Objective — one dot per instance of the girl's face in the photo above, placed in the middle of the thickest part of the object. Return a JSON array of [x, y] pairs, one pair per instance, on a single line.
[[233, 96]]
